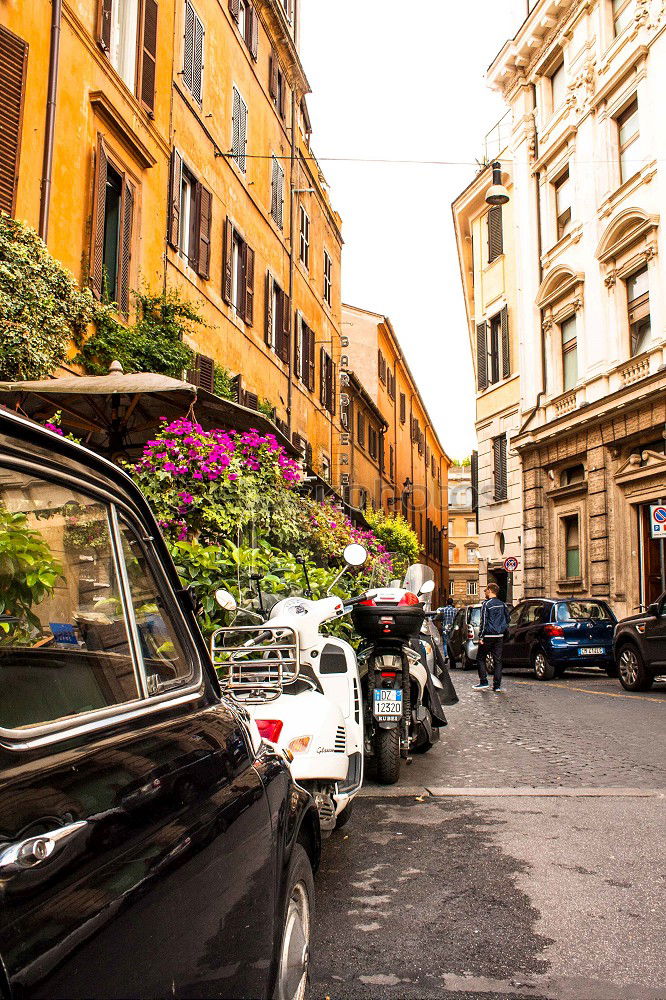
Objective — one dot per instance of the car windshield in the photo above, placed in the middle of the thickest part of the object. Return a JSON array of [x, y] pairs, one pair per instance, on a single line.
[[475, 616], [583, 611]]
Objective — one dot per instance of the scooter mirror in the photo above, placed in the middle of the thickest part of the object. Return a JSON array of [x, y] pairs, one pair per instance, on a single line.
[[226, 600], [427, 587], [355, 555]]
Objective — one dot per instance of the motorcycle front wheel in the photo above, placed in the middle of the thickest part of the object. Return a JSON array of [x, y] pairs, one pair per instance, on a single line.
[[387, 755]]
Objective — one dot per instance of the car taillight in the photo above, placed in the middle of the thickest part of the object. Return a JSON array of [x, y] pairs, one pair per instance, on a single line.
[[408, 600], [388, 673], [554, 631], [270, 729]]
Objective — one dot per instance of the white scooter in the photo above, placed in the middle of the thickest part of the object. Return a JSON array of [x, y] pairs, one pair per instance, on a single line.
[[304, 692]]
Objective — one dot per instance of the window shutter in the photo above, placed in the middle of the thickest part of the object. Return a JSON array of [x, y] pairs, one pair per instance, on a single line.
[[495, 233], [203, 373], [268, 335], [228, 261], [149, 54], [104, 24], [197, 64], [125, 249], [475, 481], [277, 192], [175, 184], [254, 34], [403, 407], [97, 262], [285, 328], [333, 400], [299, 346], [13, 63], [506, 346], [203, 235], [273, 76], [311, 360], [322, 376], [500, 471], [234, 7], [282, 92], [248, 312], [188, 47], [482, 356], [239, 130]]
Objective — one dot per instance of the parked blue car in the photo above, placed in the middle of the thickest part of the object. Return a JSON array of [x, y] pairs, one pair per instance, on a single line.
[[550, 636]]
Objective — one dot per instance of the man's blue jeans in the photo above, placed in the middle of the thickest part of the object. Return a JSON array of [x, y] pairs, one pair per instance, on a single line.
[[492, 647]]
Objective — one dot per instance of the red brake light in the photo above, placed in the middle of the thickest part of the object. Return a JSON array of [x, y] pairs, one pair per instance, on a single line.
[[270, 729], [388, 673], [554, 630], [367, 604], [409, 599]]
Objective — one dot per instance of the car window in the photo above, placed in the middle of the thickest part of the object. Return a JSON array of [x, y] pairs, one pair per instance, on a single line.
[[515, 614], [578, 611], [475, 616], [534, 613], [64, 645], [163, 656]]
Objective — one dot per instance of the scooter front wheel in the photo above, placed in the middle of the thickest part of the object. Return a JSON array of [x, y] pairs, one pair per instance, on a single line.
[[387, 755]]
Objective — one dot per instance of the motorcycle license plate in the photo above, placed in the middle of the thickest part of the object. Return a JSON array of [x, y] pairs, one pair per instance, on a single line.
[[591, 651], [388, 705]]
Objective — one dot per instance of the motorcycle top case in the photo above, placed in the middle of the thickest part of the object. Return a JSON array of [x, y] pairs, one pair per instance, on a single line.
[[388, 621]]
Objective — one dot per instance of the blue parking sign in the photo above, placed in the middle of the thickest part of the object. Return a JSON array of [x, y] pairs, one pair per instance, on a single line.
[[658, 521]]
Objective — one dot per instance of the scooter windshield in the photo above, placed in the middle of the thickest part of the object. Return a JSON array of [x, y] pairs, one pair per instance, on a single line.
[[416, 576]]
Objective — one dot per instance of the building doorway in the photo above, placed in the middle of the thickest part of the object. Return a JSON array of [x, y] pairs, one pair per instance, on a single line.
[[504, 581], [652, 559]]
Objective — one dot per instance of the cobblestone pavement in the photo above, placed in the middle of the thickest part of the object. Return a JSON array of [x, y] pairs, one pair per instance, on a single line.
[[522, 857]]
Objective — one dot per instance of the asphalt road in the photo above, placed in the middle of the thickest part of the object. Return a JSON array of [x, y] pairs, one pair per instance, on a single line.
[[522, 857]]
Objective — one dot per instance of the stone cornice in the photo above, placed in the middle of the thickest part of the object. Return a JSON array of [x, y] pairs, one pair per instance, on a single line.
[[274, 19], [539, 30]]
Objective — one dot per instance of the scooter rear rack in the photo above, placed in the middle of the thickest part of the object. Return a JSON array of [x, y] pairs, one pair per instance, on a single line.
[[255, 663]]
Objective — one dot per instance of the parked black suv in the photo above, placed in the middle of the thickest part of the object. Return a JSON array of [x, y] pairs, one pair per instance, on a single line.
[[639, 646], [150, 844]]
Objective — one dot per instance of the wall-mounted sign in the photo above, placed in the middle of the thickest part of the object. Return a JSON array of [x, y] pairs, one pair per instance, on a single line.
[[511, 564], [658, 521]]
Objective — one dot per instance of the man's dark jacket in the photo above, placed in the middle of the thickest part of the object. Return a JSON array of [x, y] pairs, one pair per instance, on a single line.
[[494, 619]]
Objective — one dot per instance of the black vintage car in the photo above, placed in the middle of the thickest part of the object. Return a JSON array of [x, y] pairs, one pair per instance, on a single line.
[[150, 844], [640, 647]]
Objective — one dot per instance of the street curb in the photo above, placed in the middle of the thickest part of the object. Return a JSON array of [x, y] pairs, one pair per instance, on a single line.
[[436, 792]]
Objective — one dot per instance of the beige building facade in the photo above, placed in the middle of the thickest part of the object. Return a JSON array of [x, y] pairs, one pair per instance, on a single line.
[[463, 538], [585, 85]]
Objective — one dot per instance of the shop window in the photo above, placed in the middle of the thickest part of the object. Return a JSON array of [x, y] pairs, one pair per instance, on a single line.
[[569, 354], [629, 141], [562, 187], [638, 304], [571, 526]]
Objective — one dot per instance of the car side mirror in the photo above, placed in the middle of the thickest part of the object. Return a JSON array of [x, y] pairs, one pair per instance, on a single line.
[[226, 600], [654, 610]]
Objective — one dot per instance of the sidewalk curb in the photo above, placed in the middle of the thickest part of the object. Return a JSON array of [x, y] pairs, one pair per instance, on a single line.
[[437, 792]]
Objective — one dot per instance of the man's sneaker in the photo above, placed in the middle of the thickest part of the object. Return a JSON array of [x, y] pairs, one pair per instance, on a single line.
[[480, 687], [498, 691]]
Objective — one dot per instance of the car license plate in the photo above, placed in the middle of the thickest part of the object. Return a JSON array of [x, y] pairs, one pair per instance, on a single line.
[[388, 705], [591, 651]]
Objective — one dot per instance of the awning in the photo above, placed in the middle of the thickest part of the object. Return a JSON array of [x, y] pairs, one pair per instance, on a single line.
[[116, 414]]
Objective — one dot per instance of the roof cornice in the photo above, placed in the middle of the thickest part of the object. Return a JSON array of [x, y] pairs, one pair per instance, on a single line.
[[537, 32]]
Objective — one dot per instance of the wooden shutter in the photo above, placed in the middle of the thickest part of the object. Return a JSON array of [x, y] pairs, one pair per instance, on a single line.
[[268, 335], [97, 256], [104, 24], [284, 345], [228, 261], [203, 373], [403, 407], [188, 47], [148, 54], [475, 481], [482, 356], [125, 248], [499, 467], [175, 184], [332, 396], [248, 311], [282, 95], [495, 233], [234, 7], [273, 76], [277, 192], [310, 371], [205, 200], [253, 43], [13, 65], [506, 346], [198, 59], [322, 376], [299, 345]]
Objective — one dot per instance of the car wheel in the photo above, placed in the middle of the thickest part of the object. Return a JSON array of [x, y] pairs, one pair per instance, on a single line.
[[543, 668], [294, 967], [632, 670]]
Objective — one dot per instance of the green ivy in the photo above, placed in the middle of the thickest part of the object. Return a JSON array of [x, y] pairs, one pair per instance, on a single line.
[[41, 307], [154, 343]]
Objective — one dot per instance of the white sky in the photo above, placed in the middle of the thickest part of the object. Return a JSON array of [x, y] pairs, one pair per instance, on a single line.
[[401, 79]]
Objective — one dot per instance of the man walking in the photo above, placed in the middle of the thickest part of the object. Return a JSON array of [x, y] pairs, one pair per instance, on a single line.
[[447, 616], [494, 623]]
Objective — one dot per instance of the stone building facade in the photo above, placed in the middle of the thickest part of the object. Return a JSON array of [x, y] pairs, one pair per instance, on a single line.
[[463, 538], [585, 84]]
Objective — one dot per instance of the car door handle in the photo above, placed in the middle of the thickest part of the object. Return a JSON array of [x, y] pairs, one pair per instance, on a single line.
[[33, 850]]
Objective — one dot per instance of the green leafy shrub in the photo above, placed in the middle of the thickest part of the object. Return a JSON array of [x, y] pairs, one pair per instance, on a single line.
[[41, 307], [398, 537]]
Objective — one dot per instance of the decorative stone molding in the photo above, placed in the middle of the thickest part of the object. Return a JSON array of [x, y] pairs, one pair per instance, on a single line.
[[566, 404], [582, 88], [635, 371], [624, 231], [611, 278], [560, 282]]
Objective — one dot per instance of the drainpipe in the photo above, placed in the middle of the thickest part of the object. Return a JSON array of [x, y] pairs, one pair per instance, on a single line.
[[292, 204], [49, 132]]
